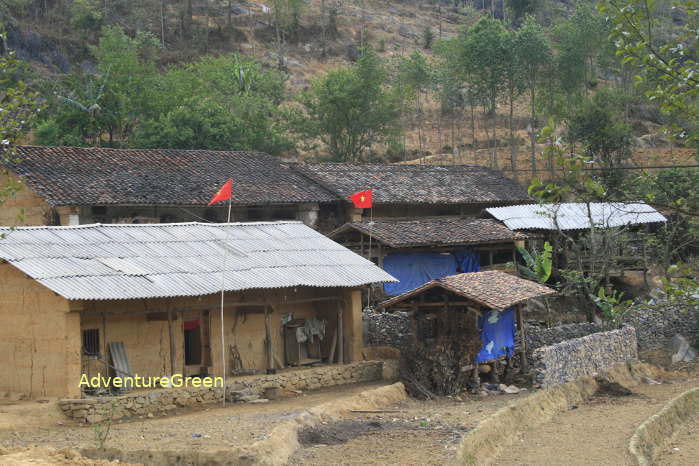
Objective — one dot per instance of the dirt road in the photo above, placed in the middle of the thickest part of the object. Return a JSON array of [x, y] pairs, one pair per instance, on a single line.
[[30, 423], [418, 433], [597, 432]]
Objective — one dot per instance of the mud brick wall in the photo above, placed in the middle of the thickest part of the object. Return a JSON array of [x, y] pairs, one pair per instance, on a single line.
[[586, 356], [97, 409]]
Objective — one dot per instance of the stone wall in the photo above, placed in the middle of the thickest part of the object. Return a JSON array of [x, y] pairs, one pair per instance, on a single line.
[[97, 409], [538, 336], [386, 329], [586, 356], [656, 324]]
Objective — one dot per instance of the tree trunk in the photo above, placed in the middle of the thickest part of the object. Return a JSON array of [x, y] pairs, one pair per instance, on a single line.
[[513, 148], [532, 133]]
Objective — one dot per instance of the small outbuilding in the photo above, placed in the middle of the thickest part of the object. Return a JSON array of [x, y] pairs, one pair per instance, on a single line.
[[461, 322], [95, 299]]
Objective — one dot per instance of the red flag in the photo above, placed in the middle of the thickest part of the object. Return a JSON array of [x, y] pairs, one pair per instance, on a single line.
[[223, 194], [362, 199]]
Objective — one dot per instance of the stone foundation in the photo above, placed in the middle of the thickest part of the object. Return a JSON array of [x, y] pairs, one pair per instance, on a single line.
[[97, 409], [587, 356]]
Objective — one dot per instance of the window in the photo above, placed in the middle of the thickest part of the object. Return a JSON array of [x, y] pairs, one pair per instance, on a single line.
[[91, 341]]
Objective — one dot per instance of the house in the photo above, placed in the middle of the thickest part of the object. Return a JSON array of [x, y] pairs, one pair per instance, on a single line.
[[73, 185], [461, 322], [413, 190], [574, 220], [75, 298], [417, 250]]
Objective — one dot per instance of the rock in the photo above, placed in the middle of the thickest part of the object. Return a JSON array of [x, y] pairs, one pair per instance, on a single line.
[[259, 400], [511, 390], [407, 32], [682, 351], [502, 387], [149, 415]]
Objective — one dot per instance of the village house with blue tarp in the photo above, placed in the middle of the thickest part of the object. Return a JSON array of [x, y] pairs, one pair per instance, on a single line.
[[417, 250], [463, 324]]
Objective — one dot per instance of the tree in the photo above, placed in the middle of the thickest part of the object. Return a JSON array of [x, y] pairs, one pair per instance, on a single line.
[[223, 103], [521, 8], [581, 42], [108, 103], [483, 58], [413, 77], [534, 53], [350, 109], [19, 108], [667, 65], [514, 86], [605, 137]]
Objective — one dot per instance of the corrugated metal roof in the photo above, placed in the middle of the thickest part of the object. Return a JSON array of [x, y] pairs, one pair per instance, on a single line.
[[575, 216], [181, 259]]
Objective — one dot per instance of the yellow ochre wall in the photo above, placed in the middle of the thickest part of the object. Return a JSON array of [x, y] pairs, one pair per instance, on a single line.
[[40, 338], [27, 208]]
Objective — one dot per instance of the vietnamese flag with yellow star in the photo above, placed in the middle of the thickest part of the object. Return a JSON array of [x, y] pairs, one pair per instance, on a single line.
[[362, 199]]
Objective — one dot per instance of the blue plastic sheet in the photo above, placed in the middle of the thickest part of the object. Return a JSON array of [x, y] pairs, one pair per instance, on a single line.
[[416, 269], [467, 260], [497, 334]]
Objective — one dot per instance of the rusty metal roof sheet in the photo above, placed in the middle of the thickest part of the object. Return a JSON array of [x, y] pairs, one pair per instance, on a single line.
[[492, 289], [433, 231], [575, 216], [97, 262]]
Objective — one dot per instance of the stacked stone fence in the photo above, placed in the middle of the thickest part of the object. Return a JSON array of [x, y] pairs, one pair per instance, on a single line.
[[656, 324], [586, 356], [158, 401]]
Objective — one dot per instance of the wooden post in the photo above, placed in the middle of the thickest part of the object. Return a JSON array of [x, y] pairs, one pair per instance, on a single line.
[[340, 335], [268, 338], [173, 347], [523, 339]]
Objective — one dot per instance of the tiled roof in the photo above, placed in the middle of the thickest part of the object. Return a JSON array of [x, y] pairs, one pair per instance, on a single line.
[[575, 216], [418, 184], [433, 231], [97, 262], [493, 289], [100, 176]]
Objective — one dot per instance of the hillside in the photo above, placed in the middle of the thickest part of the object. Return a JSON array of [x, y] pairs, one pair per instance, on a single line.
[[56, 38]]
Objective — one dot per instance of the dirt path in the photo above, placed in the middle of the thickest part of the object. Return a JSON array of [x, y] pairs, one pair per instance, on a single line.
[[684, 449], [594, 433], [213, 428], [420, 433]]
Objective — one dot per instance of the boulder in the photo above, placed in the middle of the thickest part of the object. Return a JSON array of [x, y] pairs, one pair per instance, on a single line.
[[681, 350]]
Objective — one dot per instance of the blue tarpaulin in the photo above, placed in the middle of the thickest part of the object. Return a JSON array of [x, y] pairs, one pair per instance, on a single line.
[[416, 269], [467, 260], [497, 334]]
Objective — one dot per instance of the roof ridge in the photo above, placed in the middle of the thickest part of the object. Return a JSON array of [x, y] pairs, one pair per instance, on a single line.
[[138, 225]]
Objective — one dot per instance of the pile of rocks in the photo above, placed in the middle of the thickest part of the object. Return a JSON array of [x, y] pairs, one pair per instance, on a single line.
[[386, 329]]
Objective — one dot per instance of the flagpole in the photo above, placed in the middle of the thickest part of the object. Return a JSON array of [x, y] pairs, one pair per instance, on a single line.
[[223, 288], [371, 221]]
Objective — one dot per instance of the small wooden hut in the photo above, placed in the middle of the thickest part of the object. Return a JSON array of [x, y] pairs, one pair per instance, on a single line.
[[461, 322]]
